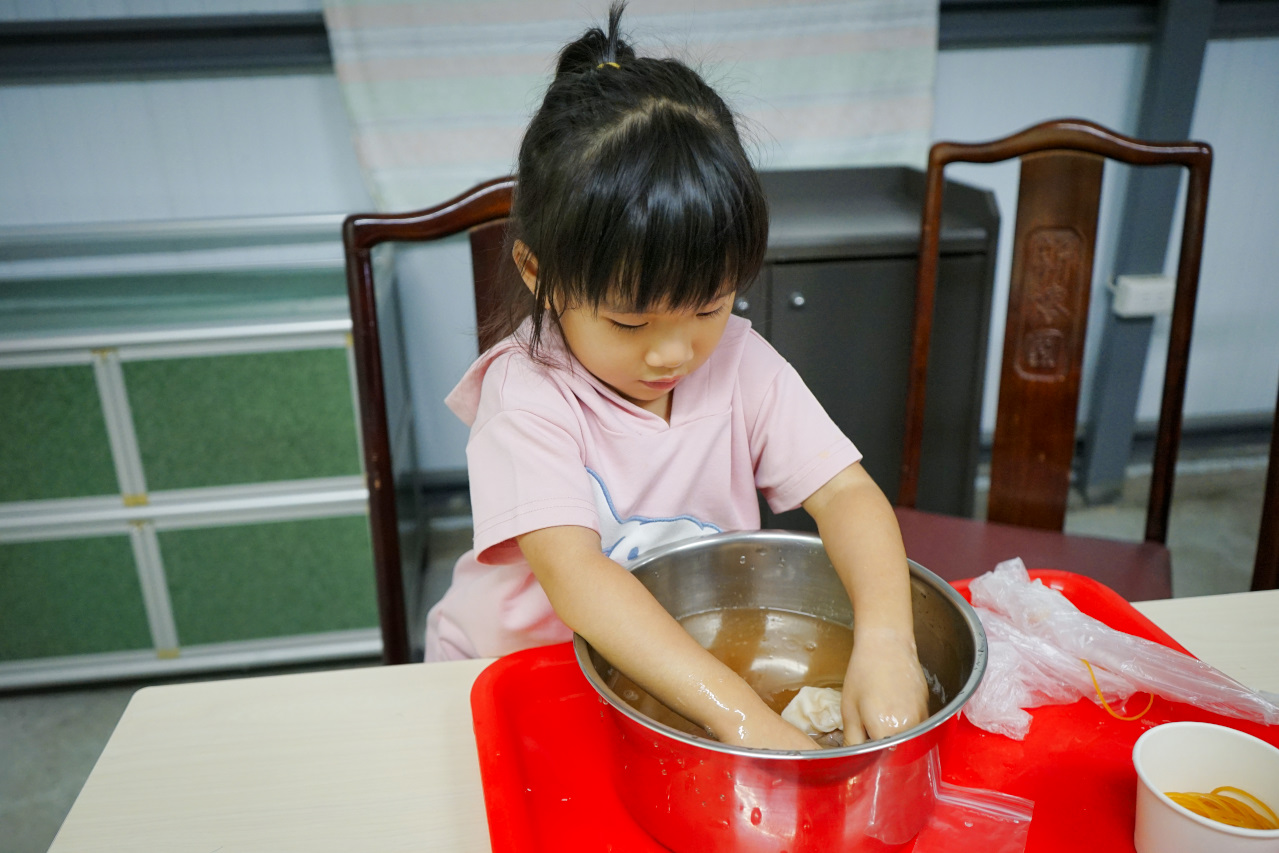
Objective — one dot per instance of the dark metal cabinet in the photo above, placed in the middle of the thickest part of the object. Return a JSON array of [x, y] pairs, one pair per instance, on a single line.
[[836, 298]]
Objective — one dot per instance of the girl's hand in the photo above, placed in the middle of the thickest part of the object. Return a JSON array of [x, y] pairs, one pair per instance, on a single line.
[[604, 603], [769, 731], [731, 712], [884, 689]]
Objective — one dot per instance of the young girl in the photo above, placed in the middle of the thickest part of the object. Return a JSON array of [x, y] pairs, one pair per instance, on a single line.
[[628, 408]]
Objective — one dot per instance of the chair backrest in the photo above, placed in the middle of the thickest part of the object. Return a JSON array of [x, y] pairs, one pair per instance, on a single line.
[[482, 211], [1049, 288], [1265, 573]]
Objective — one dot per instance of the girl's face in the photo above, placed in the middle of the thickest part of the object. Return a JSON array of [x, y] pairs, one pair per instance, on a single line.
[[644, 356], [640, 356]]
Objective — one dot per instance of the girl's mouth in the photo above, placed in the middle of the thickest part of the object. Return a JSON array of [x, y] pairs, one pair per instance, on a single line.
[[662, 384]]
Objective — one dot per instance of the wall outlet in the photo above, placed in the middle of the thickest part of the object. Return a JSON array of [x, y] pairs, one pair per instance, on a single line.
[[1142, 295]]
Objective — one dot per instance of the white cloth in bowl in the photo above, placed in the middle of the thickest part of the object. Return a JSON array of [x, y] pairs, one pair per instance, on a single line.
[[815, 711]]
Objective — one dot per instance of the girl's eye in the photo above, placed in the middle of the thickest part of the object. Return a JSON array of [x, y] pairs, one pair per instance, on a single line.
[[715, 313], [625, 328]]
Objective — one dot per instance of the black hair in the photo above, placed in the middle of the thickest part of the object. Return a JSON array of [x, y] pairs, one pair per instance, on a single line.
[[633, 186]]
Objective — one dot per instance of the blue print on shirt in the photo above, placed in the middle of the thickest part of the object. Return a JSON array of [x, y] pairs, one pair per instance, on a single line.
[[626, 540]]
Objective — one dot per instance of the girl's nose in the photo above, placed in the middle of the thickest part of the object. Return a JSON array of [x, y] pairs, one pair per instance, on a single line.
[[669, 353]]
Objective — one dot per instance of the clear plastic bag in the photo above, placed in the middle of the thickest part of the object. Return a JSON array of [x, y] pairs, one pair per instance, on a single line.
[[972, 820], [1038, 642]]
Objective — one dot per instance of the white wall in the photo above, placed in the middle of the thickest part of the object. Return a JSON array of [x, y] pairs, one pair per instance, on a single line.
[[262, 145], [1234, 358], [176, 149]]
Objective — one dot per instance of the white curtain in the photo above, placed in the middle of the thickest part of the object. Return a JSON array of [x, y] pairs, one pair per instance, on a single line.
[[439, 91]]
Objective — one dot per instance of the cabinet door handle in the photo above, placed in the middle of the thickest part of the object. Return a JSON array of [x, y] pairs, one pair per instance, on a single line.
[[797, 300], [741, 306]]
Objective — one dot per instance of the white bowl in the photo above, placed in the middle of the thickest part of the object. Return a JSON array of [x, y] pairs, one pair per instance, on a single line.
[[1199, 757]]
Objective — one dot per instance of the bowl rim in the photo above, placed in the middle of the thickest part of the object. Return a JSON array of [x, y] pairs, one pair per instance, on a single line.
[[1205, 822], [581, 650]]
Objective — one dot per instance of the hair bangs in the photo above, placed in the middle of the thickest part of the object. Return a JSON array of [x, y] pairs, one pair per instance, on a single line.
[[664, 218]]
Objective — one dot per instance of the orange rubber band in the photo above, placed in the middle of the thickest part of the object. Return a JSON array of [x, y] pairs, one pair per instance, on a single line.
[[1240, 792], [1106, 705], [1230, 810]]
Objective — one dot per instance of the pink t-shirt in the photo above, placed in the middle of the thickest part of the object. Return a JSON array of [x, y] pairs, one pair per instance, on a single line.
[[554, 446]]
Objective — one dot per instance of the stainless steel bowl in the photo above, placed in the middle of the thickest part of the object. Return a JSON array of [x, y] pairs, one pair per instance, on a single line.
[[698, 795]]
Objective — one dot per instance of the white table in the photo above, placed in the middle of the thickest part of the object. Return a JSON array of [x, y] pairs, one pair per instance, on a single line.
[[1237, 633], [384, 759]]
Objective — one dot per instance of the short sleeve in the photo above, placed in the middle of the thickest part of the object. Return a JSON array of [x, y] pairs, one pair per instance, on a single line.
[[526, 467], [795, 446]]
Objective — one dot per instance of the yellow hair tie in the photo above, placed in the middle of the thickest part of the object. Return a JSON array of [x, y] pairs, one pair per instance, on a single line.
[[602, 64]]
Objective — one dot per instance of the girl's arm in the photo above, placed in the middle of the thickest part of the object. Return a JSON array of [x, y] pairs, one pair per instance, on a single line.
[[884, 688], [603, 602]]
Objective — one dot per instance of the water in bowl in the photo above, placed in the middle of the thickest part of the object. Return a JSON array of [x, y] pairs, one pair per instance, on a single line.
[[776, 651]]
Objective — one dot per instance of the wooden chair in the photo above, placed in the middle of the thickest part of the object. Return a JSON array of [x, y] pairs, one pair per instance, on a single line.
[[1265, 572], [482, 211], [1034, 441]]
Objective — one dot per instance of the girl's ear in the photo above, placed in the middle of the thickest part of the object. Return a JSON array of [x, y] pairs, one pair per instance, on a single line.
[[526, 263]]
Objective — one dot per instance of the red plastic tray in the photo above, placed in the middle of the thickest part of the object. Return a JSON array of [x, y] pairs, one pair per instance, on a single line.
[[541, 732]]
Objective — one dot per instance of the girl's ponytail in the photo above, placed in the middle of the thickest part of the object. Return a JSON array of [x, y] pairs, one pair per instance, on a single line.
[[596, 48]]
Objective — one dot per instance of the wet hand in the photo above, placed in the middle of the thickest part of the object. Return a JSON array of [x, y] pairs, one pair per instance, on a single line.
[[767, 730], [884, 689], [728, 709]]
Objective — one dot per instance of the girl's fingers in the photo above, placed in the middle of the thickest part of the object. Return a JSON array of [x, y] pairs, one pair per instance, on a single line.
[[888, 691], [854, 733]]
